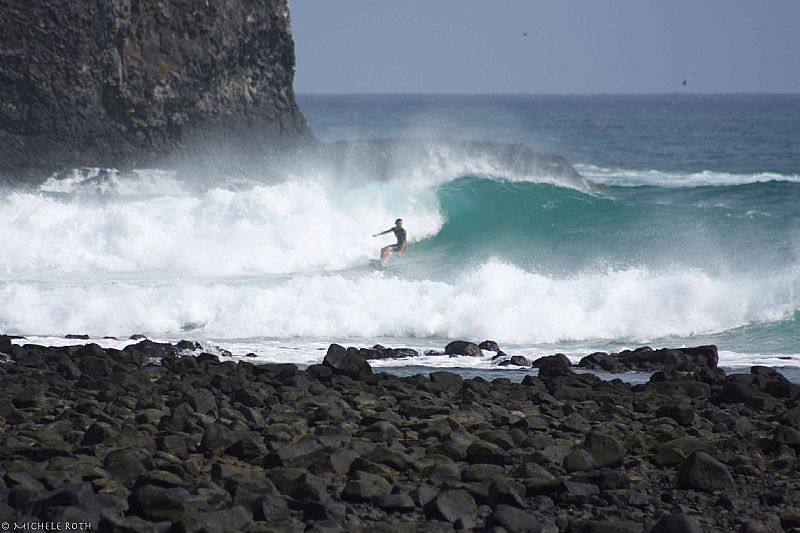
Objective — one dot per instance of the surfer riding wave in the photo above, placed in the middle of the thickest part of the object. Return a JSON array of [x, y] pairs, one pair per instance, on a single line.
[[398, 248]]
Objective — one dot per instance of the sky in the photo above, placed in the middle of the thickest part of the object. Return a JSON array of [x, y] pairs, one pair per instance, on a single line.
[[546, 46]]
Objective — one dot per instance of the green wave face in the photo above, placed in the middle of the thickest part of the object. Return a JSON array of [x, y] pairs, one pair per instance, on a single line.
[[557, 230]]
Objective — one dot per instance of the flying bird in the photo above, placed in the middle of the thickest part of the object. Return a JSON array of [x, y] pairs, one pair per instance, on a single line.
[[684, 82]]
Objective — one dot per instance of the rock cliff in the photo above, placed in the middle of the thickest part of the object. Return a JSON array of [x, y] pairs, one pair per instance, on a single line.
[[133, 82]]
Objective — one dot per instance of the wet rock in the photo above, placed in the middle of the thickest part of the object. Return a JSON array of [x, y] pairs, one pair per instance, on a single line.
[[647, 359], [489, 346], [516, 360], [558, 360], [346, 362], [379, 352], [469, 349], [601, 361]]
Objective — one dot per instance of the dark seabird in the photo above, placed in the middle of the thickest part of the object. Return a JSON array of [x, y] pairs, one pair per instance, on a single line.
[[684, 82]]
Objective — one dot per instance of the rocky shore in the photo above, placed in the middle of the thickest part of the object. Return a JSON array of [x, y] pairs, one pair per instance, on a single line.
[[142, 439]]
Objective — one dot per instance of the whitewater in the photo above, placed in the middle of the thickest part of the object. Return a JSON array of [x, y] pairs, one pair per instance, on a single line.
[[639, 246]]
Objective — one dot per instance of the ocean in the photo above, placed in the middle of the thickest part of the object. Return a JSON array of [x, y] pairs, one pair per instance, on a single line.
[[681, 228]]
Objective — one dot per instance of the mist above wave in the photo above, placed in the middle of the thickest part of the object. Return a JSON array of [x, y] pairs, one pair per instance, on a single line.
[[349, 163]]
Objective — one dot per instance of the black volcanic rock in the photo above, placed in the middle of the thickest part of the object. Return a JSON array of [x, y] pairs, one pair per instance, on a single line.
[[463, 348], [346, 361], [489, 346], [700, 471], [558, 360], [113, 82], [197, 443], [701, 359]]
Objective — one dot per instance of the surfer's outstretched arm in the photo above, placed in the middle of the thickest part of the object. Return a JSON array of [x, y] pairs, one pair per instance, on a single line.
[[383, 232]]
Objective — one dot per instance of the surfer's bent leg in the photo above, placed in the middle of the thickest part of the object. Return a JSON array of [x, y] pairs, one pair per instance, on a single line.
[[385, 252]]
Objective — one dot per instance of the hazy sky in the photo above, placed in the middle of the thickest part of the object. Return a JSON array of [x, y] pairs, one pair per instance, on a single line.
[[572, 46]]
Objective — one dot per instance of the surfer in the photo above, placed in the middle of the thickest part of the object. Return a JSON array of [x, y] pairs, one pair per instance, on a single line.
[[400, 247]]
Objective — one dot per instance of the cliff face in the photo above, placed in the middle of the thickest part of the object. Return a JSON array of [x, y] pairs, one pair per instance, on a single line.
[[137, 82]]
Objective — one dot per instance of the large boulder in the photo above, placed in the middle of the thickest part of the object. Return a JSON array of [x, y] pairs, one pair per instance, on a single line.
[[646, 359], [463, 348], [558, 360], [346, 361]]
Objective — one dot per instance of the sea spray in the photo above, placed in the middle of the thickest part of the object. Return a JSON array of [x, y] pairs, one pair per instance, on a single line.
[[496, 300]]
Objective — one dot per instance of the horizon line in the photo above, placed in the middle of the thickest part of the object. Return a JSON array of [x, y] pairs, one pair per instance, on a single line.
[[347, 93]]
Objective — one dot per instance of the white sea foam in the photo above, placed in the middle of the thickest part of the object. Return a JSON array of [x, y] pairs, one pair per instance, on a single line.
[[634, 178], [496, 300], [264, 229]]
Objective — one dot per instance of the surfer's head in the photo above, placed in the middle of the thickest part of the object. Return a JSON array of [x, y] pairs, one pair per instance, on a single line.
[[398, 222]]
